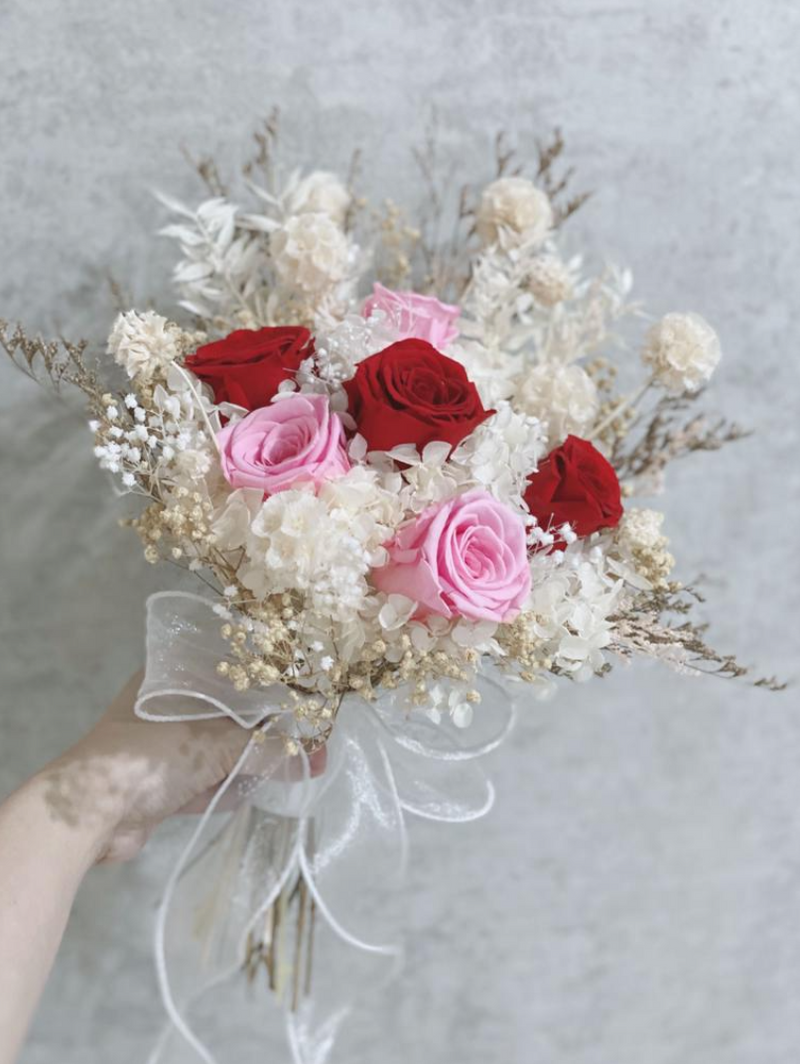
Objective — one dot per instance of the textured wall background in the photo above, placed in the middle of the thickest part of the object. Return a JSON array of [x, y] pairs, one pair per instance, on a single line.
[[645, 846]]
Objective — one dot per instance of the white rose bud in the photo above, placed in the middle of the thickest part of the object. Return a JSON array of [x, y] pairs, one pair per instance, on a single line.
[[683, 351], [564, 397], [143, 343], [310, 252], [321, 193], [514, 211]]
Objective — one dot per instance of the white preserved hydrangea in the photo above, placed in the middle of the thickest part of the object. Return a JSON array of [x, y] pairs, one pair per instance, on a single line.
[[500, 454], [572, 600], [369, 503], [427, 478], [321, 192], [310, 252], [683, 351], [322, 545], [143, 343], [498, 457], [563, 397], [514, 211], [296, 544]]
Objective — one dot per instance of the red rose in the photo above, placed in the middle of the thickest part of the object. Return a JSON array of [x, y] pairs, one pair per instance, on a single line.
[[247, 367], [411, 393], [575, 484]]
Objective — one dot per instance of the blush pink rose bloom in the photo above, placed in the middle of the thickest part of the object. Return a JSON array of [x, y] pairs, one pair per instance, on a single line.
[[421, 317], [293, 440], [466, 557]]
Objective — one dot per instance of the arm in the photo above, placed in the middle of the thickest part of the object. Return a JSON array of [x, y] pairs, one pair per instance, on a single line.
[[97, 802]]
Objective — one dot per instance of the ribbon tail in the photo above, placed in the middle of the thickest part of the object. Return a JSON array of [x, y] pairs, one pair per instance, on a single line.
[[176, 1018], [352, 861], [224, 882]]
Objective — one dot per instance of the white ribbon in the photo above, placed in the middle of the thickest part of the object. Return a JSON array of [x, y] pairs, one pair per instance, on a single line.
[[343, 834]]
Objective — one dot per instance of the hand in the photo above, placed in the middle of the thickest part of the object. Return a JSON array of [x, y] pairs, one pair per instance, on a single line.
[[127, 775], [99, 801]]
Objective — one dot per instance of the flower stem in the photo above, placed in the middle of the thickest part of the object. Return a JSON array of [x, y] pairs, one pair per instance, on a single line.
[[621, 407]]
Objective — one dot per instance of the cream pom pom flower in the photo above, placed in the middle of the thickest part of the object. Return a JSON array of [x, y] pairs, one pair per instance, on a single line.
[[563, 397], [321, 192], [550, 280], [143, 343], [310, 252], [514, 211], [683, 351]]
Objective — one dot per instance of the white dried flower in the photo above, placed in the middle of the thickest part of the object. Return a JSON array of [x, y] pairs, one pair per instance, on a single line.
[[321, 192], [572, 599], [396, 612], [641, 528], [193, 463], [564, 397], [143, 343], [491, 370], [514, 211], [231, 525], [639, 536], [683, 351], [550, 280], [310, 252]]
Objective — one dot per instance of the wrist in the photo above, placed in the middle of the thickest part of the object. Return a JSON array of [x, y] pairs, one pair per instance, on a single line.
[[82, 802]]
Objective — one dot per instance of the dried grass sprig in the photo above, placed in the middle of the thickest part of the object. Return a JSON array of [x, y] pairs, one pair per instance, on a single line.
[[549, 153], [266, 138], [205, 166]]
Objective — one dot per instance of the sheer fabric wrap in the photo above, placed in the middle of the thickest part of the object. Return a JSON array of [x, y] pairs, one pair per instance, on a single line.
[[338, 839]]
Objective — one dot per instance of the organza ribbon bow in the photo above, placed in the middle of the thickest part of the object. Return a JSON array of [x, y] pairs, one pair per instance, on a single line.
[[288, 878]]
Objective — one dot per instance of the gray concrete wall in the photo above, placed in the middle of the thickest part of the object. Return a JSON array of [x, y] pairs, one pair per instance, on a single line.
[[647, 826]]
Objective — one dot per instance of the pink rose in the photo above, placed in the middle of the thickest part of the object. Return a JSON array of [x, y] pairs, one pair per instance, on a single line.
[[464, 557], [421, 317], [291, 440]]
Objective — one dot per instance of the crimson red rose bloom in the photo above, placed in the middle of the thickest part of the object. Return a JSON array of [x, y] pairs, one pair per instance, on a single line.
[[411, 393], [247, 367], [575, 484]]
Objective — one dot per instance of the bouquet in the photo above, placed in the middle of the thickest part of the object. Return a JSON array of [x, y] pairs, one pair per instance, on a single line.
[[403, 470]]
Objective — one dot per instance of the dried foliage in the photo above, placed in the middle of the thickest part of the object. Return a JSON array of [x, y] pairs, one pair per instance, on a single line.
[[549, 154], [642, 629], [556, 185], [666, 434], [60, 361], [265, 138], [447, 241]]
